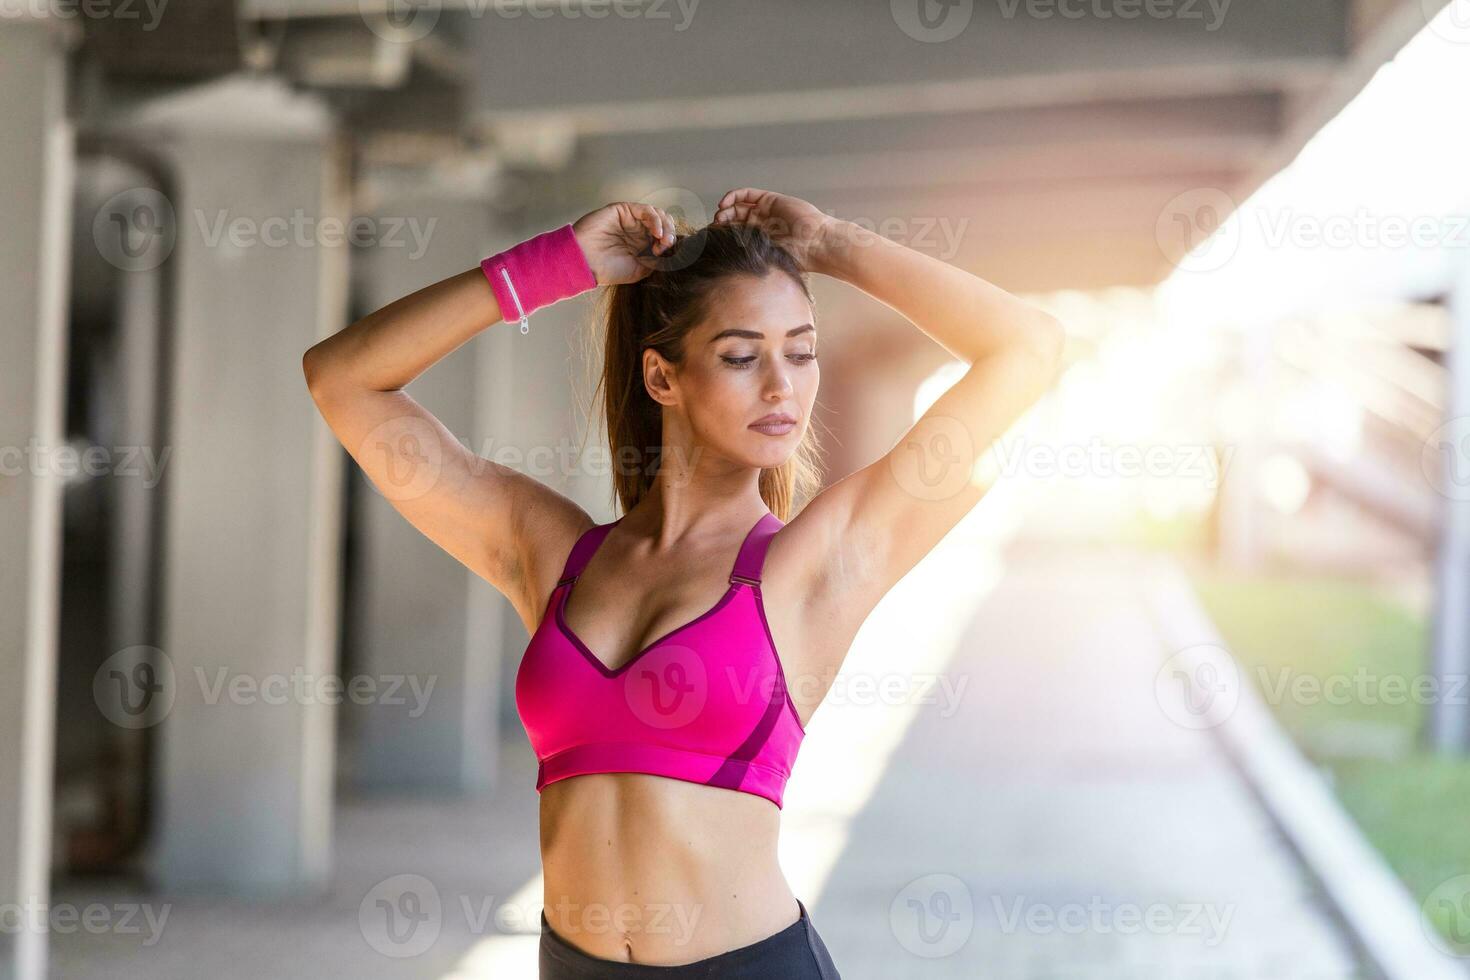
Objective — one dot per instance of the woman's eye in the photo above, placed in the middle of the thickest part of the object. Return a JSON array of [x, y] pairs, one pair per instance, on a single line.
[[744, 362]]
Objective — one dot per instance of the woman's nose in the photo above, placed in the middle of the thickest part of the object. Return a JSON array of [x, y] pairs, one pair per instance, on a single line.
[[778, 382]]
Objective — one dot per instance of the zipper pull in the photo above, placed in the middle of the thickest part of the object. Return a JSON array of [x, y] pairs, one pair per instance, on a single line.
[[525, 318]]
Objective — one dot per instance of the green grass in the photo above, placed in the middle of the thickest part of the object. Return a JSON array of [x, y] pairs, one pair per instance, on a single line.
[[1410, 804]]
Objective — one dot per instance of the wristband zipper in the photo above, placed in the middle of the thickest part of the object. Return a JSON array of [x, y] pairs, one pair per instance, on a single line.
[[525, 318]]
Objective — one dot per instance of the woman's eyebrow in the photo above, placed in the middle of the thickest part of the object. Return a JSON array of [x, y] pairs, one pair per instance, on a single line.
[[757, 335]]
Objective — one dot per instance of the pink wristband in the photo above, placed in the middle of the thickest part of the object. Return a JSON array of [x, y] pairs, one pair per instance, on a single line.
[[538, 272]]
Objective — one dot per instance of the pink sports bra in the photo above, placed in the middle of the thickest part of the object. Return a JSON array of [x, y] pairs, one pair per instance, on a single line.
[[706, 702]]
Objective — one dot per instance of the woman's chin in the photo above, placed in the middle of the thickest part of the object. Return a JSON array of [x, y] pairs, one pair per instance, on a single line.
[[771, 456]]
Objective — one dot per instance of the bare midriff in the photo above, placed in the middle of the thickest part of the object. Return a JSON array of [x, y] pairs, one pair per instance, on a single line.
[[648, 869]]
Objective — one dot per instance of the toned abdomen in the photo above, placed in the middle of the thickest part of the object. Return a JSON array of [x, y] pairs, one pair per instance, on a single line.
[[654, 870]]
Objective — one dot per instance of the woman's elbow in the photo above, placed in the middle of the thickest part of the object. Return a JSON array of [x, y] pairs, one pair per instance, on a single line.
[[1045, 340], [308, 365], [313, 368]]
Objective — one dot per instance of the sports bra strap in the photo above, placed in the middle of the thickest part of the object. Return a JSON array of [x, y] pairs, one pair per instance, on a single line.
[[583, 549], [753, 551], [747, 564]]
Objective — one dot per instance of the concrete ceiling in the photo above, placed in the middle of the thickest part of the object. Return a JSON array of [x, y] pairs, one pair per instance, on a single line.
[[1039, 142], [1041, 150]]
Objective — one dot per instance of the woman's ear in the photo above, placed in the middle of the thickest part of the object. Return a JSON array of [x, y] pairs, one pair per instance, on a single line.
[[658, 377]]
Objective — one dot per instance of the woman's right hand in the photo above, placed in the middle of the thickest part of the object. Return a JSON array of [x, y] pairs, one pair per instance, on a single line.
[[620, 240], [796, 225]]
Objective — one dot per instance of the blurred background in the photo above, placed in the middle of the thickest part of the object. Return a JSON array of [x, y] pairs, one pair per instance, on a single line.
[[1185, 696]]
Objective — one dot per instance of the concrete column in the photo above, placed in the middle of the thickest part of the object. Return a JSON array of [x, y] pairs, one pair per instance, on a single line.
[[1448, 724], [417, 617], [252, 486], [36, 159]]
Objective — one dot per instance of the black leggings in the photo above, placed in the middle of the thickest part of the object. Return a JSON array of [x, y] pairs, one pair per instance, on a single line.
[[794, 953]]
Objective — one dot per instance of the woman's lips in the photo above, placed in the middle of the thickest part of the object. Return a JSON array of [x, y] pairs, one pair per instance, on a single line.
[[773, 425]]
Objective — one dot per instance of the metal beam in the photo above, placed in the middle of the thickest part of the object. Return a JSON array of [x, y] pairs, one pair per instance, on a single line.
[[934, 98]]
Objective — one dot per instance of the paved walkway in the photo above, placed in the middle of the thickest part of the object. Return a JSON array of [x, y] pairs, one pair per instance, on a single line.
[[994, 792], [1087, 834]]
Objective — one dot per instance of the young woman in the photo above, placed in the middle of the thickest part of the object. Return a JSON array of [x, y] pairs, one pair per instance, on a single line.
[[678, 652]]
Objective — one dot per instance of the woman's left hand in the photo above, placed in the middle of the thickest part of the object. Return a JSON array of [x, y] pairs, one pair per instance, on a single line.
[[797, 226]]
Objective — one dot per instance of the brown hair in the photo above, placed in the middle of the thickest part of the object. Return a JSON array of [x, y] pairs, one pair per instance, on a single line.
[[658, 311]]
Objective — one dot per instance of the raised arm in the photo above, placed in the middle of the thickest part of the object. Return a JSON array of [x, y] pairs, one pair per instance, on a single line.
[[858, 537], [507, 527]]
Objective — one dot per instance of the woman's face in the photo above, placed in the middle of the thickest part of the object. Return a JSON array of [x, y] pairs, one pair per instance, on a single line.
[[754, 356]]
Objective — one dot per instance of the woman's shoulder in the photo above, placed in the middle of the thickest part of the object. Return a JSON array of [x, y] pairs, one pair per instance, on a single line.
[[547, 531]]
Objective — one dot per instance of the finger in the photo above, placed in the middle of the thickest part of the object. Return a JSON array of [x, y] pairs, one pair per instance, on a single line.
[[737, 214], [744, 204], [647, 216], [669, 231], [654, 225], [741, 195], [634, 211]]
